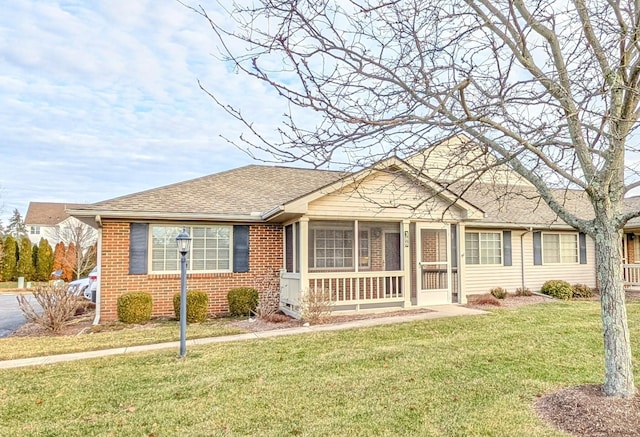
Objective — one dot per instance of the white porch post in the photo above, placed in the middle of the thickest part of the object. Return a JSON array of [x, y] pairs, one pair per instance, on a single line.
[[406, 261], [461, 264], [304, 255]]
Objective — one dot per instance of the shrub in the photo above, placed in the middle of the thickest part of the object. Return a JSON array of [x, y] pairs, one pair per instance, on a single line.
[[558, 289], [582, 291], [498, 292], [242, 301], [315, 305], [520, 291], [135, 307], [57, 307], [197, 306], [484, 299], [268, 286]]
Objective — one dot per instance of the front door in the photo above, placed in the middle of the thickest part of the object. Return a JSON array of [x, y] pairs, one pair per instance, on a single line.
[[434, 265]]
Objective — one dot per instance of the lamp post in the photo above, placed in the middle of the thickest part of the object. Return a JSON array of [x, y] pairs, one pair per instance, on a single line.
[[183, 240]]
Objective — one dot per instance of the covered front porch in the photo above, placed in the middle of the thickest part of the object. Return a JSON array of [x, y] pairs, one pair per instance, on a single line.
[[631, 259], [370, 265]]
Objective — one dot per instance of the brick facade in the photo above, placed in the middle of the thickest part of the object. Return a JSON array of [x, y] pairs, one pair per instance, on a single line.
[[265, 259]]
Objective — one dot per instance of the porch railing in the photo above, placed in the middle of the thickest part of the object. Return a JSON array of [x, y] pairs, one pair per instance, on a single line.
[[360, 288], [631, 275]]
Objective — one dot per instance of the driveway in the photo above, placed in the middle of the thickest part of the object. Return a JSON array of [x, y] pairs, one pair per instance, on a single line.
[[11, 317]]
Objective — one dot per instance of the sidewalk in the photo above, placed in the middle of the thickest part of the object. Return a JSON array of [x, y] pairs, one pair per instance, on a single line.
[[437, 312]]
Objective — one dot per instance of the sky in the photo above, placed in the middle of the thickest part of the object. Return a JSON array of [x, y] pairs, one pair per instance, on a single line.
[[100, 99]]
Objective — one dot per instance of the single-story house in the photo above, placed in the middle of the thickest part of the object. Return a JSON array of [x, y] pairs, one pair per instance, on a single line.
[[402, 233]]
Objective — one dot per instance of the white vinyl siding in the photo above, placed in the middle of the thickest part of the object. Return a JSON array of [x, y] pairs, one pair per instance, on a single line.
[[483, 248], [210, 249], [479, 279], [384, 196], [559, 248]]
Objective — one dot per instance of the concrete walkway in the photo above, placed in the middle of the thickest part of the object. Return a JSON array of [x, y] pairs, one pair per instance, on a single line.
[[437, 312]]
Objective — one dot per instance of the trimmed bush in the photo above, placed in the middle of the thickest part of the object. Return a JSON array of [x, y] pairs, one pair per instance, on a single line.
[[558, 289], [197, 306], [523, 291], [242, 301], [498, 292], [135, 307], [582, 291]]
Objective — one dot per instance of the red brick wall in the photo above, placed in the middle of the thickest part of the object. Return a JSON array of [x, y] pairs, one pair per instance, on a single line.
[[265, 243]]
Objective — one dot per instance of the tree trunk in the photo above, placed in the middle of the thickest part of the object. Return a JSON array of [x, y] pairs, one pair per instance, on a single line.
[[618, 380]]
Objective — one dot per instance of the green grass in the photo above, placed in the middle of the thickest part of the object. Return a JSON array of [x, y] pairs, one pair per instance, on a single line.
[[119, 335], [467, 376]]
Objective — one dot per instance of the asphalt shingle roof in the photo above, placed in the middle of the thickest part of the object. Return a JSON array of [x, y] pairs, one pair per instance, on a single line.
[[48, 213], [241, 191]]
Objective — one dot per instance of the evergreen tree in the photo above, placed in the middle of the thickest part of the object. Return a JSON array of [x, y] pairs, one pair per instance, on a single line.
[[34, 261], [58, 256], [16, 226], [25, 259], [10, 259], [2, 231], [44, 265]]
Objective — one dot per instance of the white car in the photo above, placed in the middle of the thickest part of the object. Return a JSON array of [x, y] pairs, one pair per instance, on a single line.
[[86, 286]]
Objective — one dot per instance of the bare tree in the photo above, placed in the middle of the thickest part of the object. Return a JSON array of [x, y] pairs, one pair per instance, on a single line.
[[551, 89], [83, 238]]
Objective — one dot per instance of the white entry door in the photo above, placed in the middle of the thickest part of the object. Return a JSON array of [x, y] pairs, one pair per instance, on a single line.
[[434, 264]]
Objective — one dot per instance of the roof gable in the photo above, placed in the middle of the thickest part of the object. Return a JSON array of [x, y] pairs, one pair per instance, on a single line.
[[390, 194]]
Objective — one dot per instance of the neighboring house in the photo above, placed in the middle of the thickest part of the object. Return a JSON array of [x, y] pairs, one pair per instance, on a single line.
[[401, 233], [46, 219]]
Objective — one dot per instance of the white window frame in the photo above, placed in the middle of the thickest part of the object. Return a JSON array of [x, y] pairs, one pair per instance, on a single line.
[[315, 248], [191, 248], [560, 247], [35, 230], [368, 247], [480, 258]]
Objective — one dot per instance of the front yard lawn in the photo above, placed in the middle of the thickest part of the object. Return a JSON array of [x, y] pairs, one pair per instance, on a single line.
[[113, 335], [467, 376]]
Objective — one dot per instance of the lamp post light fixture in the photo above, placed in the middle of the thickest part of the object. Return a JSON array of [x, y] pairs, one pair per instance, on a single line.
[[183, 240]]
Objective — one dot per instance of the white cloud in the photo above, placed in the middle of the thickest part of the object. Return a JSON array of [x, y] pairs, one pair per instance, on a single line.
[[100, 99]]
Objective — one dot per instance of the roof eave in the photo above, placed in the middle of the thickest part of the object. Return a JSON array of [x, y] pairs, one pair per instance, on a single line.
[[170, 216]]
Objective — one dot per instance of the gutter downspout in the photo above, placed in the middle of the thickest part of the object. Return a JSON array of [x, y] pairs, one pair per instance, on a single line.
[[528, 230], [96, 319]]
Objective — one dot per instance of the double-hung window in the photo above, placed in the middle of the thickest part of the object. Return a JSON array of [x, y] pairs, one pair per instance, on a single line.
[[559, 248], [210, 250], [483, 248]]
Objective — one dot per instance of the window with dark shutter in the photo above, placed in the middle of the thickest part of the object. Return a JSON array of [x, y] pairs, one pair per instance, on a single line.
[[537, 248], [506, 247], [583, 247], [138, 244], [241, 249]]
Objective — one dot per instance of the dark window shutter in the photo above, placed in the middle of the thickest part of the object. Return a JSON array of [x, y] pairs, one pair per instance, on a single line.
[[138, 244], [582, 242], [240, 248], [454, 246], [506, 248], [537, 248]]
